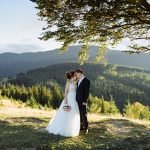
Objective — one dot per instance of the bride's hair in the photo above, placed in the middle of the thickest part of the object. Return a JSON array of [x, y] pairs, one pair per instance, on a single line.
[[70, 74]]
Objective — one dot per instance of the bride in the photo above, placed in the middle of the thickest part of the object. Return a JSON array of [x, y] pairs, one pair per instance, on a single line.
[[66, 121]]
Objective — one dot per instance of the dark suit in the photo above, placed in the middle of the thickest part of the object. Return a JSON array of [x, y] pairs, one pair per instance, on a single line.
[[82, 95]]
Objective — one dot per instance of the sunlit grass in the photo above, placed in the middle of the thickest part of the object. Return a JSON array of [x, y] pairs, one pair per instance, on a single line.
[[22, 128]]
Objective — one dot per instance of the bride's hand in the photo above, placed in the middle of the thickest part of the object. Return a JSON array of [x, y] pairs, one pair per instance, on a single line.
[[65, 100]]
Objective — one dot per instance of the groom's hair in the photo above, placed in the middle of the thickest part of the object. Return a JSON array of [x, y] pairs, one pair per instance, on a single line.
[[79, 71]]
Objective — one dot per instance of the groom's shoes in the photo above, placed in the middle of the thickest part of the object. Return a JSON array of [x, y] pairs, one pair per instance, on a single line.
[[86, 131], [81, 129]]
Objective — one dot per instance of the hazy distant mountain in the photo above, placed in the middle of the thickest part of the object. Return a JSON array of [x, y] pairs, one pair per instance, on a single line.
[[13, 63]]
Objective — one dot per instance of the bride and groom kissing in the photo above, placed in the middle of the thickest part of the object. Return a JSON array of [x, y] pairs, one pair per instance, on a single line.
[[71, 117]]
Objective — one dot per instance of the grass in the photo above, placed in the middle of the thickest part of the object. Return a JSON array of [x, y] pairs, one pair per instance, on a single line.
[[22, 128]]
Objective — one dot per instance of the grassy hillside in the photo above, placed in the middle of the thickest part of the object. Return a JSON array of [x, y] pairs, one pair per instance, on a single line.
[[26, 61], [22, 128], [121, 83]]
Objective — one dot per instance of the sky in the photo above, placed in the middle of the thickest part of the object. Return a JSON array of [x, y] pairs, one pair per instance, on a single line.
[[20, 28]]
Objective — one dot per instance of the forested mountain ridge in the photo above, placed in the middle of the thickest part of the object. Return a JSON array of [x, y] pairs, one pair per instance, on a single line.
[[12, 63], [119, 83]]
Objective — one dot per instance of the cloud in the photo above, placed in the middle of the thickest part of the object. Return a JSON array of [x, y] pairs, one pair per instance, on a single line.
[[123, 45], [20, 48]]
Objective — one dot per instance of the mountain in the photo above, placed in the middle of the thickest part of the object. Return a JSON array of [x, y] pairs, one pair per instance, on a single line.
[[121, 83], [13, 63]]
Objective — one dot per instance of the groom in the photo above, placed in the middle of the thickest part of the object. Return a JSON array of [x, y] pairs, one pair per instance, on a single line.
[[82, 94]]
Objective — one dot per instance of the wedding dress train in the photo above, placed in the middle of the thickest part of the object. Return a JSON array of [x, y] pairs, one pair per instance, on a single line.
[[66, 123]]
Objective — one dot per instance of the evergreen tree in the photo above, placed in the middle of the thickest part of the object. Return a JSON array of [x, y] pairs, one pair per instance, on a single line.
[[32, 102]]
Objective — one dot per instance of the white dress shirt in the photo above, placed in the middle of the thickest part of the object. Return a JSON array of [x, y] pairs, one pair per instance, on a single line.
[[80, 80]]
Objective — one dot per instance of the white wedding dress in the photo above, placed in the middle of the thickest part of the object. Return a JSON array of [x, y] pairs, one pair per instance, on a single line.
[[66, 123]]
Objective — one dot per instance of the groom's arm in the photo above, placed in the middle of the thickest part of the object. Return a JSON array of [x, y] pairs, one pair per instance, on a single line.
[[86, 91]]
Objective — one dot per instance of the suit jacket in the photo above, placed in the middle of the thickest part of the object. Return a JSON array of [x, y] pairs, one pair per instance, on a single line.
[[82, 92]]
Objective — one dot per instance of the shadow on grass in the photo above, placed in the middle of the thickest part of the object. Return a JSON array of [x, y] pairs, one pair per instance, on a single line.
[[122, 135], [27, 120], [24, 133], [112, 134]]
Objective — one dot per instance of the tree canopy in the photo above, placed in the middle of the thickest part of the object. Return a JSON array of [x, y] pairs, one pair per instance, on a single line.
[[102, 22]]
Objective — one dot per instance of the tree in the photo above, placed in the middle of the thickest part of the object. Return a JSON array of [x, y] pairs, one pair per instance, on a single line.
[[0, 95], [93, 21], [137, 110], [57, 96], [32, 102]]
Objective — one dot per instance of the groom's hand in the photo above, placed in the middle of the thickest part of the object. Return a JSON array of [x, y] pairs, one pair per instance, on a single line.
[[84, 103]]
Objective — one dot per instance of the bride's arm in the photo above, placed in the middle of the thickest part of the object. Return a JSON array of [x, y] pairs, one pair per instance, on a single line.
[[66, 91]]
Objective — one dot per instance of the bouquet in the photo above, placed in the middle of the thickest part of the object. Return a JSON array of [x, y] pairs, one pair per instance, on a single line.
[[67, 108]]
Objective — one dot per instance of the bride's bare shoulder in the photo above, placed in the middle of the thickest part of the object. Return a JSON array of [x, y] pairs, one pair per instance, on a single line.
[[67, 83]]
